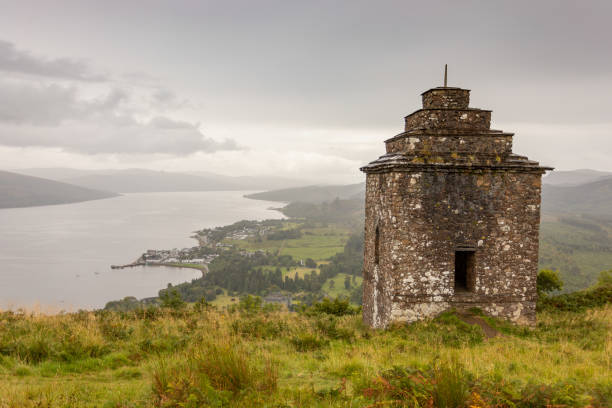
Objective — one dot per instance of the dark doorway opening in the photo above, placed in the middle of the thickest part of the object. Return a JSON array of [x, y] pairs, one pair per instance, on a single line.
[[464, 269]]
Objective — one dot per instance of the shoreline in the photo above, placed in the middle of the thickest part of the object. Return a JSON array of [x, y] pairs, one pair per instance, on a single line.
[[201, 267]]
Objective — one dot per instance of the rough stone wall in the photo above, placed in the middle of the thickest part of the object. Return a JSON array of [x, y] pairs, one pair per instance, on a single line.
[[498, 144], [455, 98], [424, 216], [448, 182], [378, 279], [465, 119]]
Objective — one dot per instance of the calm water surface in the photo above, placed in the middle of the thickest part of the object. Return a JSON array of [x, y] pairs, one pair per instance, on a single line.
[[59, 257]]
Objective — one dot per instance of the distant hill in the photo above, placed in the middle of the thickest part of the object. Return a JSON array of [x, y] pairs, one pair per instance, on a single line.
[[58, 173], [594, 198], [577, 191], [312, 194], [575, 234], [576, 231], [141, 180], [18, 190], [574, 177], [256, 182]]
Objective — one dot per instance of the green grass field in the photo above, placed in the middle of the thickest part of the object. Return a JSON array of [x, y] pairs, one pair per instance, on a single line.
[[224, 300], [338, 289], [301, 271], [317, 243], [317, 247], [196, 358]]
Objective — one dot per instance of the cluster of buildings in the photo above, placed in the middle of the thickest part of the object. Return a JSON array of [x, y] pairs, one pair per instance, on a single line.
[[166, 256]]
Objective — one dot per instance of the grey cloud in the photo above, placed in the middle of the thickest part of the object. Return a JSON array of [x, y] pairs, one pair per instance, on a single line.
[[164, 98], [108, 137], [18, 61], [54, 116], [162, 95], [161, 122], [345, 65], [352, 63], [110, 102], [50, 105], [37, 105]]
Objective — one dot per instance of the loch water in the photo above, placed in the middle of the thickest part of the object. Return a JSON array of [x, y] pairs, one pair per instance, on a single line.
[[58, 257]]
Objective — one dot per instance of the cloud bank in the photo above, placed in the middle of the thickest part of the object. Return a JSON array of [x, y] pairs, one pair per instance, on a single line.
[[19, 61], [42, 112]]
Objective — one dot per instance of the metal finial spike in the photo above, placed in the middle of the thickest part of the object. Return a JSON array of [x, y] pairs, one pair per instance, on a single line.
[[445, 74]]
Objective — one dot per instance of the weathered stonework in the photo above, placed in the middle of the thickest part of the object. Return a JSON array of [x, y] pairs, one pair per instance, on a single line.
[[452, 218]]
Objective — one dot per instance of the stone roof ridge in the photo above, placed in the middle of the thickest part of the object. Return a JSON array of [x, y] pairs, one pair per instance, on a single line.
[[445, 87], [470, 109], [446, 133]]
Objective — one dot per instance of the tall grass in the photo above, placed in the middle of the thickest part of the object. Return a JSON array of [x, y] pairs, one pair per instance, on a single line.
[[450, 384], [203, 357], [213, 373]]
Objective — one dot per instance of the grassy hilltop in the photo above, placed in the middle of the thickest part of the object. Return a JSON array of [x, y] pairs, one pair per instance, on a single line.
[[257, 356], [232, 350]]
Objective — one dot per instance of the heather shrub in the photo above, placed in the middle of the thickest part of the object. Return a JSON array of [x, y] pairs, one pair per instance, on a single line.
[[336, 307], [328, 326], [306, 341], [399, 387], [212, 374], [578, 301], [259, 327], [446, 329]]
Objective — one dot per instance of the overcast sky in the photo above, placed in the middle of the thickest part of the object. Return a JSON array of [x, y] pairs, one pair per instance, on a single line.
[[306, 89]]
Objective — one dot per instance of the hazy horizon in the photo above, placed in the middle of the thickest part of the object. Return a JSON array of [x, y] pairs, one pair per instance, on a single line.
[[303, 90]]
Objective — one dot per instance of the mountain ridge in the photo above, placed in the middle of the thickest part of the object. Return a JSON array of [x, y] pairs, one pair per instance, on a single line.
[[574, 177], [18, 190], [312, 194], [143, 180]]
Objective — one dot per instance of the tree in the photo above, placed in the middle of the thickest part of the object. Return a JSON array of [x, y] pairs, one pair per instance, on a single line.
[[605, 278], [357, 295], [347, 282], [548, 281], [171, 299], [310, 263]]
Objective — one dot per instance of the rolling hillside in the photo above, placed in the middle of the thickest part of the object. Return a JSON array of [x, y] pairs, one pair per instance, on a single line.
[[144, 181], [312, 194], [593, 198], [575, 233], [574, 177], [17, 190]]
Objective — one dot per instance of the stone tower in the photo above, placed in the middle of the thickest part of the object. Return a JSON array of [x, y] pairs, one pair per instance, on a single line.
[[452, 218]]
